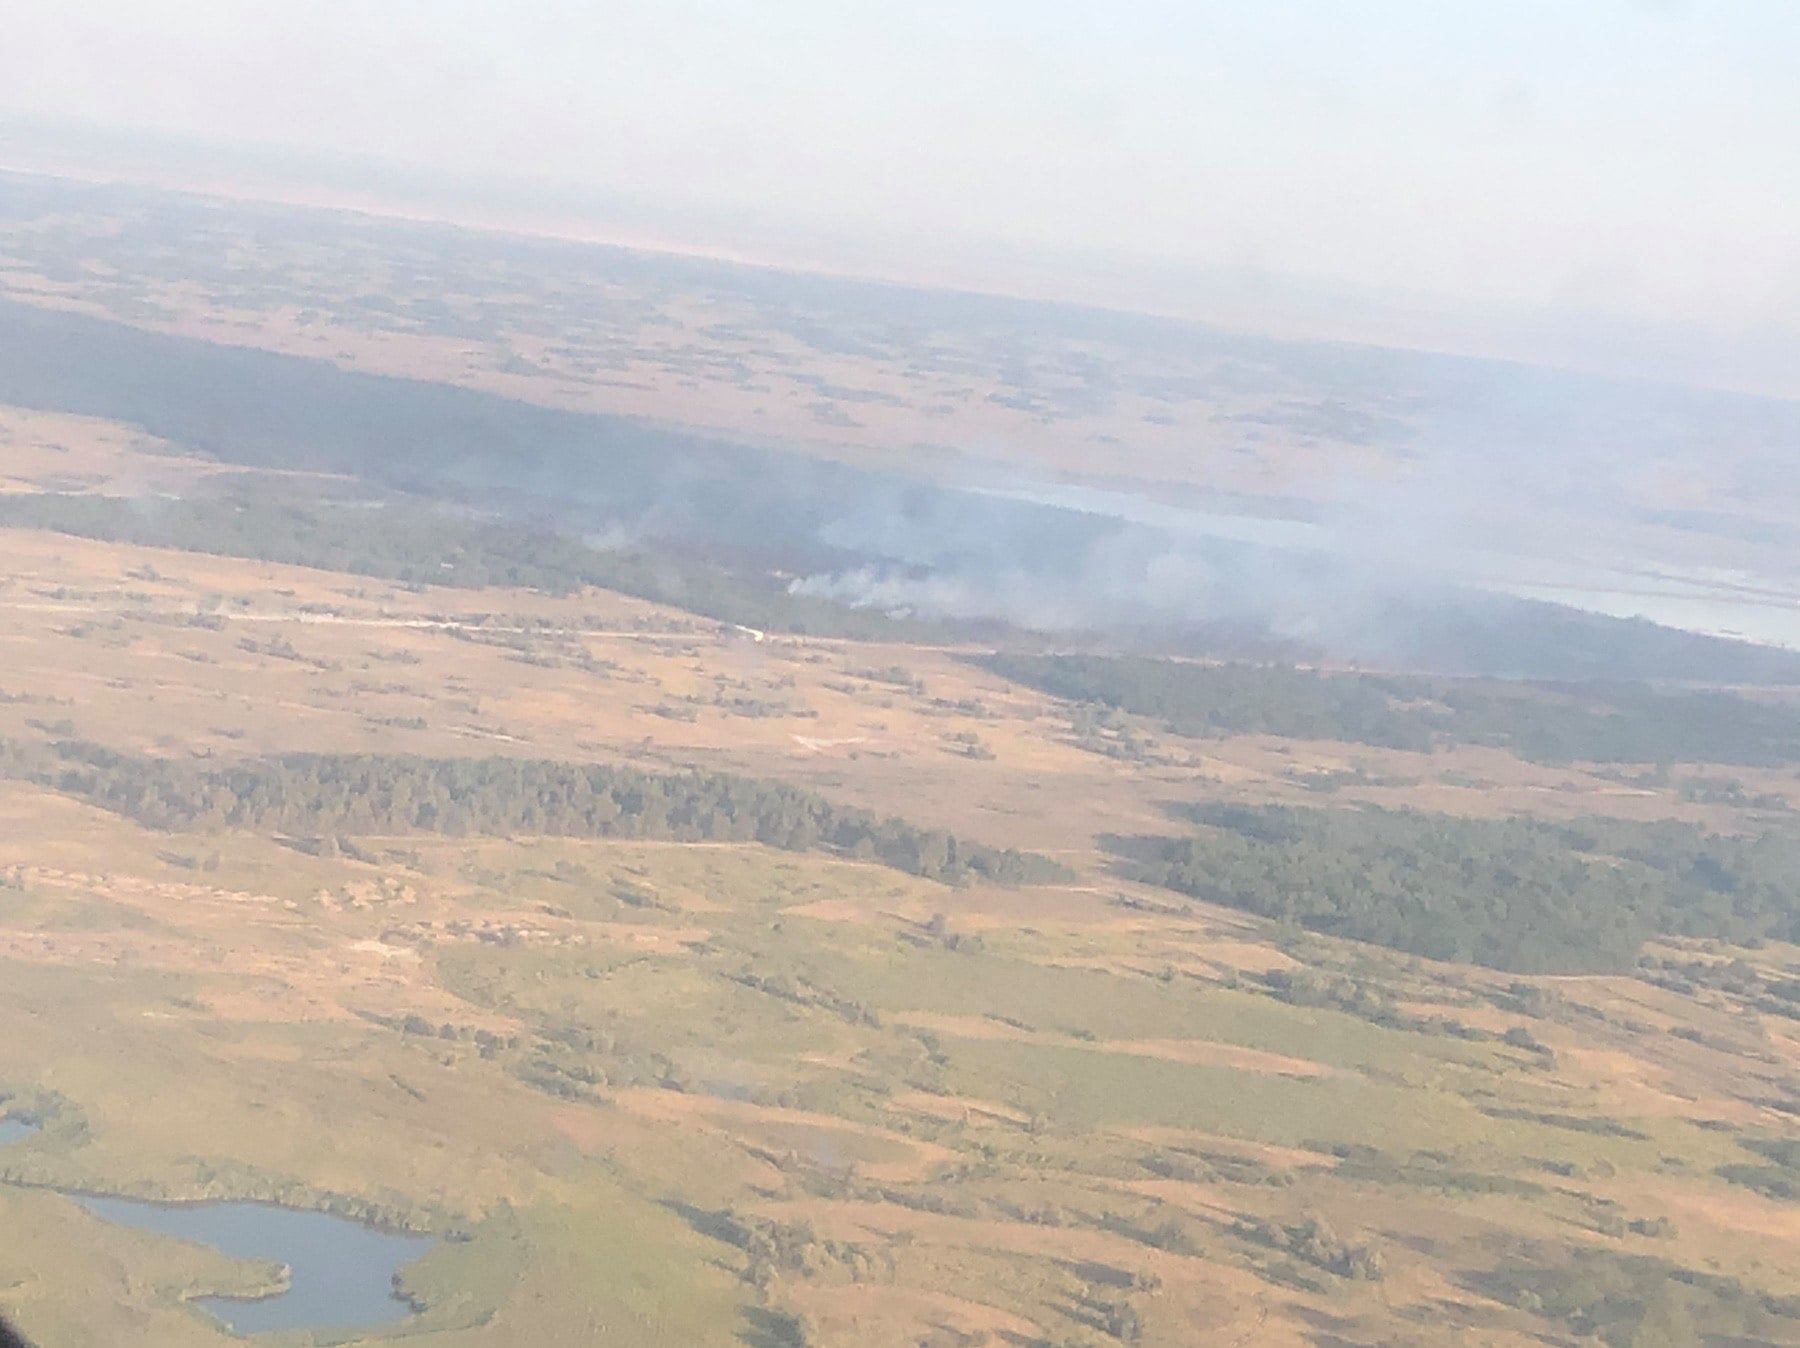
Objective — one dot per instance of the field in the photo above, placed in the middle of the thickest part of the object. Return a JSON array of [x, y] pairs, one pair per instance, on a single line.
[[687, 1091]]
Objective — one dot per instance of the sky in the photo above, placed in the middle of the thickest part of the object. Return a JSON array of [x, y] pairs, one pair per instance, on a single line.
[[1602, 180]]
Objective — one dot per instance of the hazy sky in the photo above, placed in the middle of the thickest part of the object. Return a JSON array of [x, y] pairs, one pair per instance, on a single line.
[[1632, 161]]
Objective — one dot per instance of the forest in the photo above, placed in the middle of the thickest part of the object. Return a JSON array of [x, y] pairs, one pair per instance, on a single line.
[[310, 796], [1514, 894], [1544, 722], [421, 544]]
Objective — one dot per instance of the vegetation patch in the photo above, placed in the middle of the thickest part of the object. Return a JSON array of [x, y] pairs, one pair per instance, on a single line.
[[1511, 894], [1544, 722], [313, 795], [1624, 1300]]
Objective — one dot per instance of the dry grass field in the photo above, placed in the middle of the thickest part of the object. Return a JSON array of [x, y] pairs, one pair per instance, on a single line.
[[690, 1092]]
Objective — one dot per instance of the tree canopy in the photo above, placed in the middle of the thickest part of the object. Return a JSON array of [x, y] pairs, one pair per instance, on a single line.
[[313, 795]]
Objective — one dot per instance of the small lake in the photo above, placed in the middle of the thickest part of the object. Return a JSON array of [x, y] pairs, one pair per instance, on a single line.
[[341, 1273]]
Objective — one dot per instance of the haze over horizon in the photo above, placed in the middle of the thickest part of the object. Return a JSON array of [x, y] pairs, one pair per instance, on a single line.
[[1557, 186]]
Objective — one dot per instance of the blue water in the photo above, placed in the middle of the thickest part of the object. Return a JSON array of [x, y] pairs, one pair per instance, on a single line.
[[341, 1273], [15, 1130]]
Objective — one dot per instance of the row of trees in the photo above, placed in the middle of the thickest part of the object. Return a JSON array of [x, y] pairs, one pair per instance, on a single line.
[[1613, 723], [312, 795], [1513, 894], [419, 544]]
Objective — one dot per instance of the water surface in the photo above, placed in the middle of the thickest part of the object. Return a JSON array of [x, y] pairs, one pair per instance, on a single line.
[[341, 1272]]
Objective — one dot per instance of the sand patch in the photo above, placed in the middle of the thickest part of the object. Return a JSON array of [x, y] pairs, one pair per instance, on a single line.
[[956, 1108], [1193, 1052], [819, 1138]]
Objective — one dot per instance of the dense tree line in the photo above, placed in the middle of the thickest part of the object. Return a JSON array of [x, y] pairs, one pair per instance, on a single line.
[[1613, 723], [415, 543], [1513, 894], [314, 795]]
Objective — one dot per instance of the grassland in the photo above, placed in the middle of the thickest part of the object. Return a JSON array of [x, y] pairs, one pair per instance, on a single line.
[[656, 1092]]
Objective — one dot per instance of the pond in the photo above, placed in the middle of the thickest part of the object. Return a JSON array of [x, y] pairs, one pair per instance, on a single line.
[[340, 1272]]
